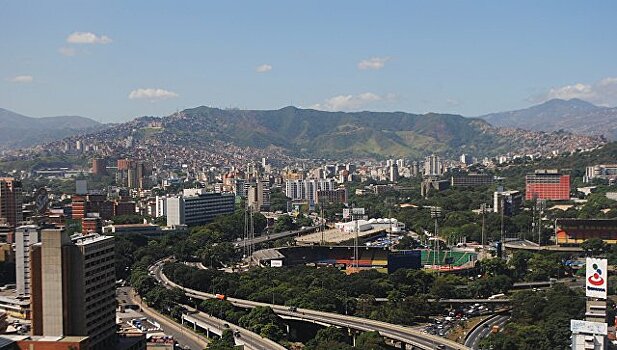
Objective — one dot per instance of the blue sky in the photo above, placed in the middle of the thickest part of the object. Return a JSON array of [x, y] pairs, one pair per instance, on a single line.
[[115, 60]]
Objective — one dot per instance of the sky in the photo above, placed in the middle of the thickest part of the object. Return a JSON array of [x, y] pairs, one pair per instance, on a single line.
[[116, 60]]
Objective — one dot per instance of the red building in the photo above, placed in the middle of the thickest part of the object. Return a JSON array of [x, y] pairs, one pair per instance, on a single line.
[[79, 207], [11, 201], [547, 184], [98, 166]]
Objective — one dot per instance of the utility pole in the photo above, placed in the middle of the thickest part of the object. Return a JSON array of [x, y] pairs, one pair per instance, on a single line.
[[483, 211], [503, 202], [436, 214]]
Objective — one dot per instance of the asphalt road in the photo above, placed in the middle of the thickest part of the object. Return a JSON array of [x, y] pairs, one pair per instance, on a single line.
[[396, 332], [185, 337], [484, 329]]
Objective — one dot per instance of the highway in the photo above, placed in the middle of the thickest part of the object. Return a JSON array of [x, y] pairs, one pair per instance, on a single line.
[[184, 337], [484, 329], [395, 332], [250, 340]]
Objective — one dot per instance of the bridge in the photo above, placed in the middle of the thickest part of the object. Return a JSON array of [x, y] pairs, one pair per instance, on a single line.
[[208, 324], [405, 337]]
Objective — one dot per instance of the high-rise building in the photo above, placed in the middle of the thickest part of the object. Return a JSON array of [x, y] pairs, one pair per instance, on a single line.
[[11, 201], [547, 184], [511, 201], [73, 287], [198, 207], [161, 206], [258, 197], [338, 195], [393, 172], [432, 166], [306, 190], [25, 237], [98, 166]]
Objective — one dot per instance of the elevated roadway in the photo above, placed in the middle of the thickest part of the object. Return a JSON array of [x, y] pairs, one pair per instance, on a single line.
[[483, 329], [404, 335], [242, 336]]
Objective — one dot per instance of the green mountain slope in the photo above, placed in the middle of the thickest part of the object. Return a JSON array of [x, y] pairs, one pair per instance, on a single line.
[[312, 133]]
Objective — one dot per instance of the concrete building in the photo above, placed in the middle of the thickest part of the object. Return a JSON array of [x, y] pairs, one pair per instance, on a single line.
[[432, 166], [471, 180], [547, 184], [198, 207], [601, 171], [258, 196], [25, 237], [99, 166], [511, 201], [11, 201], [73, 287], [160, 206], [306, 190], [393, 172], [338, 195]]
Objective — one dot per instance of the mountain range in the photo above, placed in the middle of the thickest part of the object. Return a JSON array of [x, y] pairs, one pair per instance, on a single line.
[[308, 133], [19, 131], [296, 132], [575, 115]]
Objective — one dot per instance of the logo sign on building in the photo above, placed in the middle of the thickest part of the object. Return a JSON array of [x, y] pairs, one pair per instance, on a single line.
[[276, 263], [587, 327], [596, 277]]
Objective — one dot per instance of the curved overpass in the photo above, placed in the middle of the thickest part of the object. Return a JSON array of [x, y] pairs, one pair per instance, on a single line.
[[242, 336], [404, 335]]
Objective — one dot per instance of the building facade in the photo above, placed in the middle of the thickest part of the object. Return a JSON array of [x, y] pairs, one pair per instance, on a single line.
[[25, 237], [11, 201], [199, 208], [547, 184], [73, 287]]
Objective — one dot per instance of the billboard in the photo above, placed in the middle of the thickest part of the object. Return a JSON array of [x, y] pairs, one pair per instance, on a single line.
[[596, 278], [578, 326], [276, 263]]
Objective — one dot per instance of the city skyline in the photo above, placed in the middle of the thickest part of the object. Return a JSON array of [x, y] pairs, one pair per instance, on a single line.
[[115, 61]]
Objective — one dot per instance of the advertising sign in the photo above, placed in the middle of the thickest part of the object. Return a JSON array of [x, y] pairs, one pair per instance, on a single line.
[[596, 278], [578, 326], [276, 263]]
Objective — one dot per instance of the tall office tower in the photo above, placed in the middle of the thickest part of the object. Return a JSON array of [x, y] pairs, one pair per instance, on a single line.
[[98, 166], [400, 163], [73, 287], [393, 172], [25, 236], [258, 197], [11, 201], [415, 169], [197, 207], [432, 166], [547, 184]]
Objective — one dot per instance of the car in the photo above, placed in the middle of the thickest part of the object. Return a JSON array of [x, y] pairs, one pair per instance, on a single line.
[[485, 325]]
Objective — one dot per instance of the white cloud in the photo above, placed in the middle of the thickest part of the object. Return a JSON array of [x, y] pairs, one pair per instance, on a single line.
[[151, 94], [264, 68], [373, 63], [603, 92], [21, 79], [87, 38], [351, 102], [67, 51]]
